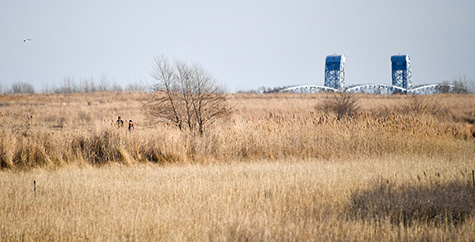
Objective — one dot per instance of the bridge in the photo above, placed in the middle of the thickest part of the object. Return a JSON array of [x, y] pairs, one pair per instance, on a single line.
[[401, 80], [302, 89]]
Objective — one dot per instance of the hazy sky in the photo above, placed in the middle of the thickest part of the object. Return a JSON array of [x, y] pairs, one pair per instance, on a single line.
[[244, 44]]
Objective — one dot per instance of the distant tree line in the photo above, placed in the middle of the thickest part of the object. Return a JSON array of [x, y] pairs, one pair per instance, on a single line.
[[69, 85], [461, 85]]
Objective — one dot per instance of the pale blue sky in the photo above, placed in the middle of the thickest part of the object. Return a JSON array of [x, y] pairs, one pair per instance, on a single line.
[[244, 44]]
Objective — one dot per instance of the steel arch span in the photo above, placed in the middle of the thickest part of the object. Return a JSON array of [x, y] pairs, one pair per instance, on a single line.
[[303, 89], [376, 89], [436, 89]]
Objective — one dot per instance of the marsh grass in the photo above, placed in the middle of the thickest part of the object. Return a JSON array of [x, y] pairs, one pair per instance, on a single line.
[[436, 203], [275, 170], [55, 130], [290, 200]]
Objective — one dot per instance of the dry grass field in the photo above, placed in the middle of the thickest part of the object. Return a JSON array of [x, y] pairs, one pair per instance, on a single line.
[[277, 169]]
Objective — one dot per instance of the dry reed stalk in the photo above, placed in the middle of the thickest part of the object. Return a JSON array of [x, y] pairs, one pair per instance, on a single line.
[[285, 200], [55, 130]]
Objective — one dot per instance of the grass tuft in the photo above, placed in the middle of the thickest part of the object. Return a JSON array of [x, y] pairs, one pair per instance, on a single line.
[[435, 203]]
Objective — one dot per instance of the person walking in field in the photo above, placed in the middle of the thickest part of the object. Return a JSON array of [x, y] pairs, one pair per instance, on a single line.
[[120, 122], [131, 126]]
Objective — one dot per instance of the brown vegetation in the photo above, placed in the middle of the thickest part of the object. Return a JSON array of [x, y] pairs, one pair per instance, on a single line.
[[276, 169], [342, 104], [54, 130], [435, 203], [288, 200]]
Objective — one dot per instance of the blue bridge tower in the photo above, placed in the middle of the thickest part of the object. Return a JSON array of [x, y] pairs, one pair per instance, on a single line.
[[335, 71], [401, 71]]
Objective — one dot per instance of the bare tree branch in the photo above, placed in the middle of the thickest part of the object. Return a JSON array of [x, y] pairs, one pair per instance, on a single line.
[[186, 95]]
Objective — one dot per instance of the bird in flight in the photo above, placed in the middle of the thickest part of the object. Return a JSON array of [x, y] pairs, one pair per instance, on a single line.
[[26, 40]]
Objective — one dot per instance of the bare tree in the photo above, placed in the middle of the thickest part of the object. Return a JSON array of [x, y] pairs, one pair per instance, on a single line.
[[104, 84], [461, 85], [464, 84], [186, 96], [68, 86], [342, 104], [135, 87], [22, 88], [87, 85]]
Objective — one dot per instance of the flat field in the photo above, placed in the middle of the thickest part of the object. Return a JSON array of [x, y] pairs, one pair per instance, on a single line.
[[277, 169]]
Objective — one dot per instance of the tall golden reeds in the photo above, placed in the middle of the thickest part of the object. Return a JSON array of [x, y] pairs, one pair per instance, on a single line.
[[276, 170], [53, 130]]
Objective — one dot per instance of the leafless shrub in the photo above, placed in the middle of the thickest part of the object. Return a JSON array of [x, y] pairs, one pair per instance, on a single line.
[[342, 104], [186, 96], [417, 104], [22, 88], [85, 85], [461, 85], [135, 87], [68, 86]]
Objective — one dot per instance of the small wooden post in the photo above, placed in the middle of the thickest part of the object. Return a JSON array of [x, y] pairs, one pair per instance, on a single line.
[[34, 186], [473, 177]]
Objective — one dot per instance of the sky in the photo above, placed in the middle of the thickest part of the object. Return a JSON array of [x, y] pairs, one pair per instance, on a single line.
[[244, 44]]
